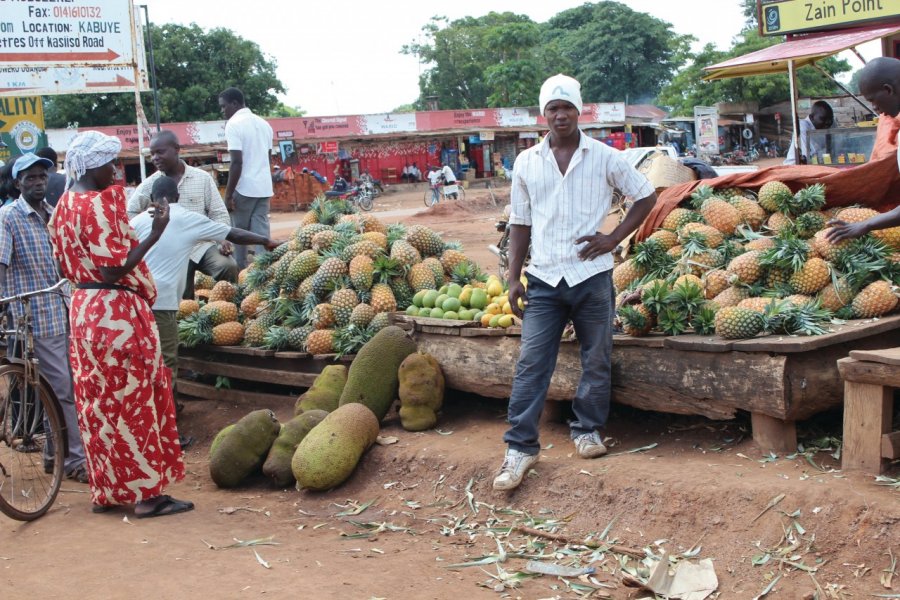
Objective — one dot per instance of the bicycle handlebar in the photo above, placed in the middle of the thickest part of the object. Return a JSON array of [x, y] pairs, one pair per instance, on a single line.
[[50, 290]]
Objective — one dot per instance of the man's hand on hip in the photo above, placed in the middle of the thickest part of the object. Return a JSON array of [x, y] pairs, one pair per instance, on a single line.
[[516, 292], [595, 245], [226, 248]]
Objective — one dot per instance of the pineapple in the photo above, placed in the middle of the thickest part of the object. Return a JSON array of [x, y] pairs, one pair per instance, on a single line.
[[377, 238], [450, 258], [379, 321], [715, 282], [745, 268], [186, 308], [436, 268], [636, 320], [810, 198], [836, 295], [302, 266], [323, 240], [350, 339], [704, 320], [698, 264], [305, 236], [731, 296], [799, 299], [425, 240], [812, 277], [809, 223], [195, 330], [330, 270], [370, 224], [403, 292], [733, 322], [242, 274], [721, 215], [778, 222], [228, 334], [405, 254], [672, 321], [890, 236], [688, 279], [250, 304], [655, 295], [751, 212], [343, 302], [421, 277], [222, 290], [679, 217], [701, 235], [666, 238], [202, 281], [362, 315], [756, 304], [322, 316], [874, 300], [361, 272], [383, 300], [855, 214], [760, 243], [297, 337], [675, 251], [276, 338], [221, 311], [254, 333], [362, 247], [773, 195], [626, 273], [320, 341]]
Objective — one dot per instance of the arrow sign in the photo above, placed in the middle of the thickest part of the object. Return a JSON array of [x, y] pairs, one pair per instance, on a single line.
[[68, 57], [119, 82]]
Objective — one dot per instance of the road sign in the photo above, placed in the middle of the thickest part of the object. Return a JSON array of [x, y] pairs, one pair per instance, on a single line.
[[778, 17], [75, 32], [21, 125]]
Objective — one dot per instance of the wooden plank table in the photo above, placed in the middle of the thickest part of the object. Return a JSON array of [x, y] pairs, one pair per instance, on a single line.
[[777, 379]]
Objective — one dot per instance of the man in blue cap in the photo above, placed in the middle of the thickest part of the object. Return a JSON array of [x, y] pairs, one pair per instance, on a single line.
[[27, 264]]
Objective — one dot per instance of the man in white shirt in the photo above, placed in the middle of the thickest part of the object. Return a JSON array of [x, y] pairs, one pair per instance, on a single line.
[[561, 193], [168, 259], [820, 117], [200, 194], [249, 186]]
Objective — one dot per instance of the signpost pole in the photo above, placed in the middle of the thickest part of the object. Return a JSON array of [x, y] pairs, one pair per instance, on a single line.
[[139, 108], [795, 116], [153, 83]]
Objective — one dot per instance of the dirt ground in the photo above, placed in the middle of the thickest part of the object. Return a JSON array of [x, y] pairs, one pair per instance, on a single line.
[[682, 485]]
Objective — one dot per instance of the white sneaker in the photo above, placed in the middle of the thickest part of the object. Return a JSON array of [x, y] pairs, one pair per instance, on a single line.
[[515, 466], [590, 445]]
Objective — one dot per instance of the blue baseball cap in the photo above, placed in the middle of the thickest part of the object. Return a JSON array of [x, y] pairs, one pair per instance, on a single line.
[[26, 161]]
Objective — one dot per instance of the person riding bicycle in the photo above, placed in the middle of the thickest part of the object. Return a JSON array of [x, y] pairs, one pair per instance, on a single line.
[[435, 178]]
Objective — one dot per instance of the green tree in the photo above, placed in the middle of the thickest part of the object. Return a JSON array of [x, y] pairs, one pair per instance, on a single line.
[[283, 110], [192, 66], [688, 89], [474, 62], [616, 52]]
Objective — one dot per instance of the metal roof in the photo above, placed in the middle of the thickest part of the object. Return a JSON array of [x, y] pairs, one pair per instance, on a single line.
[[802, 50]]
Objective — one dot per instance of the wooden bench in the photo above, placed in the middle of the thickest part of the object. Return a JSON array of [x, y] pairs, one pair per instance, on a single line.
[[870, 377]]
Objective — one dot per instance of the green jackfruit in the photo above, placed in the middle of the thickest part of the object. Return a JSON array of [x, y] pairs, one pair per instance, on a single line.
[[278, 463], [330, 452], [372, 379], [325, 392], [218, 439], [243, 449], [421, 391]]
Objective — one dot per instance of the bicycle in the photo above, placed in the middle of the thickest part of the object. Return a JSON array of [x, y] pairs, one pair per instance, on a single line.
[[452, 191], [33, 442]]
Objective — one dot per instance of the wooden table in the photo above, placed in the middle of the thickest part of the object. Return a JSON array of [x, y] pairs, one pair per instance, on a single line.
[[778, 380], [870, 378]]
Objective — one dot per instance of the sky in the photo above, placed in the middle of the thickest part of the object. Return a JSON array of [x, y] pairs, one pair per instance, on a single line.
[[343, 57]]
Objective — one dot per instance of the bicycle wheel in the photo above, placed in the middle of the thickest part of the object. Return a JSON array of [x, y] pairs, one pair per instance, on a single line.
[[429, 198], [32, 442], [365, 202], [460, 194]]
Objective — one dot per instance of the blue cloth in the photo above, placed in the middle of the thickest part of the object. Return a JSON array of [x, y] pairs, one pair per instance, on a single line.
[[590, 305], [26, 251]]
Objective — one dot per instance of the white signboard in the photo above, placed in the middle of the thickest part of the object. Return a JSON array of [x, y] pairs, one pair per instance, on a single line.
[[610, 112], [515, 117], [706, 124], [387, 123], [74, 32], [49, 81]]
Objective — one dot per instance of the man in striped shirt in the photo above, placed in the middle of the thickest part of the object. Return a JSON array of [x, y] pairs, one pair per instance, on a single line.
[[199, 194], [561, 192]]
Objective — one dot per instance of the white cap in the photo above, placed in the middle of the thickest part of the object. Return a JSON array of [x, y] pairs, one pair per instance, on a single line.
[[561, 87]]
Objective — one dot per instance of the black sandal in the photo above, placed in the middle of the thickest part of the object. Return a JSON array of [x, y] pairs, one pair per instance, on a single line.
[[166, 505]]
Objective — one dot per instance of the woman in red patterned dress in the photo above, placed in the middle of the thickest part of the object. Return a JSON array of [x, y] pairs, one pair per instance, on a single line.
[[123, 391]]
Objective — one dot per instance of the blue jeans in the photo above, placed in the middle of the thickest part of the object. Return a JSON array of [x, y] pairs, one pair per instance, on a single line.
[[590, 305]]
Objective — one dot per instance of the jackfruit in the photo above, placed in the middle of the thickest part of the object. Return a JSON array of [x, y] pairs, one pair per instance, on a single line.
[[218, 439], [278, 463], [243, 449], [325, 392], [330, 452], [372, 379], [421, 391]]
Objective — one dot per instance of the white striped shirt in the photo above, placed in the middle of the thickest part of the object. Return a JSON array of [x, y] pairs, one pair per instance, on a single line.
[[562, 208]]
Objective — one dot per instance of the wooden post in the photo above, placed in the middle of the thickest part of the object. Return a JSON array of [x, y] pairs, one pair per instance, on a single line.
[[795, 116], [867, 417], [773, 435]]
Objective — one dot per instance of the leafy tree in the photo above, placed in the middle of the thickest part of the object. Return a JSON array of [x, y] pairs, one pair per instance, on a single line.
[[192, 66], [283, 110], [616, 52], [474, 62], [688, 89]]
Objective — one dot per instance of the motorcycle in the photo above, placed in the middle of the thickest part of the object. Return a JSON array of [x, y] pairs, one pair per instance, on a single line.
[[501, 248], [362, 194]]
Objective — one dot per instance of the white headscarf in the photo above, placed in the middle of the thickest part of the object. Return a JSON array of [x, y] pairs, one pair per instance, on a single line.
[[89, 150]]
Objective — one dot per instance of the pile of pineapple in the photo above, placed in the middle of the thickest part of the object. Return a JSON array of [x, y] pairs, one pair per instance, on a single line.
[[329, 289], [738, 264]]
